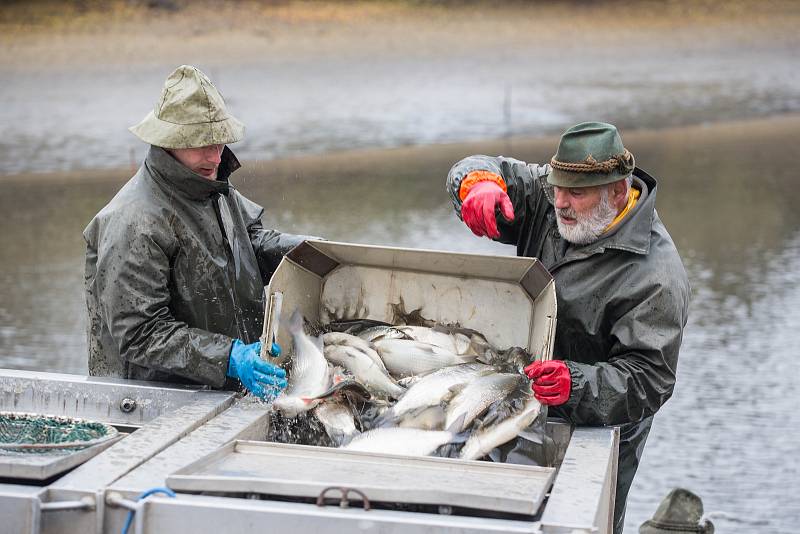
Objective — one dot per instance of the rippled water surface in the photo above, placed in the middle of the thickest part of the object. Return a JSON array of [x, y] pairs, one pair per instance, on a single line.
[[728, 196]]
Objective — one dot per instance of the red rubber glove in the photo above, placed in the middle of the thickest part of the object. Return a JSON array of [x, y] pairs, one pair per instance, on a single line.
[[478, 208], [550, 381]]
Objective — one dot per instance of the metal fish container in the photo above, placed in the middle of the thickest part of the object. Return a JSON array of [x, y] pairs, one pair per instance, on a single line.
[[511, 300]]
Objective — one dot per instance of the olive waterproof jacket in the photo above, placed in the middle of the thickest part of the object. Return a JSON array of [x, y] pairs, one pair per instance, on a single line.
[[175, 270], [622, 304]]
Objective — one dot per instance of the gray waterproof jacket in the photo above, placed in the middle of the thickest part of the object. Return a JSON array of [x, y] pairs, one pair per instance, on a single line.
[[622, 303], [175, 270]]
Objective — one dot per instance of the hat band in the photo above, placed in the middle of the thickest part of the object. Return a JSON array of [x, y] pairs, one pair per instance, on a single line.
[[623, 163], [676, 527]]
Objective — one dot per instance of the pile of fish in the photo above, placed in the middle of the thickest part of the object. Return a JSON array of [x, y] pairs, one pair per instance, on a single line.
[[402, 389]]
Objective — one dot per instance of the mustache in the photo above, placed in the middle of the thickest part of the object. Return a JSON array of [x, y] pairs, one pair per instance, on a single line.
[[567, 212]]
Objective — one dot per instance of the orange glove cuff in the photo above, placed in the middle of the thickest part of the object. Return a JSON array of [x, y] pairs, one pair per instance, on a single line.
[[479, 176]]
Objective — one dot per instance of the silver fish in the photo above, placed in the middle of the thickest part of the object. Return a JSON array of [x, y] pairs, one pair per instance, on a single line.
[[477, 396], [309, 376], [455, 343], [501, 430], [336, 416], [358, 357], [345, 339], [403, 357], [375, 333], [365, 370], [431, 390], [408, 441]]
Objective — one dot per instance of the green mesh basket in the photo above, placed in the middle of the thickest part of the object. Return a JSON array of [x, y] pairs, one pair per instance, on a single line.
[[36, 433]]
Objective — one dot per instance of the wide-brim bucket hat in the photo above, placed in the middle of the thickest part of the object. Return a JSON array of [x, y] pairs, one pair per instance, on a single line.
[[191, 113], [590, 154], [681, 512]]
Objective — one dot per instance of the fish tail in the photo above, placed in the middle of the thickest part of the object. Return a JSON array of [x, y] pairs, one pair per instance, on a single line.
[[295, 325], [454, 447], [461, 437]]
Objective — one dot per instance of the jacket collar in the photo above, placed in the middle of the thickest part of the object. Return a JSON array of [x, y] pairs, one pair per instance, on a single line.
[[170, 173], [633, 232]]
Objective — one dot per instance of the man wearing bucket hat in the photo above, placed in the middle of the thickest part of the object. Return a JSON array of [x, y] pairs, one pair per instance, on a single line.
[[176, 263], [622, 291]]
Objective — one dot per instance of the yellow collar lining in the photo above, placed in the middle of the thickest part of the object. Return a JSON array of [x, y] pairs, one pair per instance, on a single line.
[[633, 196]]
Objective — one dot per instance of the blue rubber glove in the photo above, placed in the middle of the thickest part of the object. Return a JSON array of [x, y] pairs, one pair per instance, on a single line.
[[261, 378]]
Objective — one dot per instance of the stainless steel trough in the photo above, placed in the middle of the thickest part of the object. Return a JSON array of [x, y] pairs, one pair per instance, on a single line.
[[96, 496]]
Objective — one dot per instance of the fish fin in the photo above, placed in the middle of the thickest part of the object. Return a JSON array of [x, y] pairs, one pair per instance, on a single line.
[[457, 425], [498, 411]]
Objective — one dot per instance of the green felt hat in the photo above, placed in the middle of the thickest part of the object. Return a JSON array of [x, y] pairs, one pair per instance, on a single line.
[[589, 154], [191, 113], [680, 512]]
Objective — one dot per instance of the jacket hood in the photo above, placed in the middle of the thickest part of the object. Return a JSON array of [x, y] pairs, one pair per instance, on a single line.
[[173, 175]]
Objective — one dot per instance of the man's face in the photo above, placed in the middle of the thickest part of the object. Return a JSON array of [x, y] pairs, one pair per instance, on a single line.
[[203, 161], [583, 213]]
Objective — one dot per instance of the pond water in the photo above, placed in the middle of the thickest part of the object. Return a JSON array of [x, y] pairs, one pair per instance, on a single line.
[[728, 195]]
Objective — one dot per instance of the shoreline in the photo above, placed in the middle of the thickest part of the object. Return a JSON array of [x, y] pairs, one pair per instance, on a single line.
[[91, 33], [361, 159]]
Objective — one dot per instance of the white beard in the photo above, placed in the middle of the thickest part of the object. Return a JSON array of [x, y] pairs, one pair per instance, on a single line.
[[588, 228]]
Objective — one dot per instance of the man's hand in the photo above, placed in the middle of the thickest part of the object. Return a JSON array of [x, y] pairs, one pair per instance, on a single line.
[[550, 381], [478, 208], [261, 378]]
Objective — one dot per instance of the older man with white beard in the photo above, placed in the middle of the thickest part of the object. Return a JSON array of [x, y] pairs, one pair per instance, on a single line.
[[622, 291]]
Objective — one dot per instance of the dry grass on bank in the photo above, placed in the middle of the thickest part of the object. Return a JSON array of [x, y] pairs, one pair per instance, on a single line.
[[100, 16], [91, 31]]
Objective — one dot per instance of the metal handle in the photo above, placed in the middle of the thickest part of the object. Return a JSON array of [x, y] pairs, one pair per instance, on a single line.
[[271, 323], [344, 502], [86, 503]]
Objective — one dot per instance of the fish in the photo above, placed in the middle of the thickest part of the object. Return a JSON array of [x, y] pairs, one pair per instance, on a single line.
[[345, 339], [408, 441], [478, 343], [457, 343], [404, 357], [309, 376], [337, 417], [375, 378], [430, 391], [477, 396], [512, 417], [511, 360], [360, 359], [375, 333], [355, 326]]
